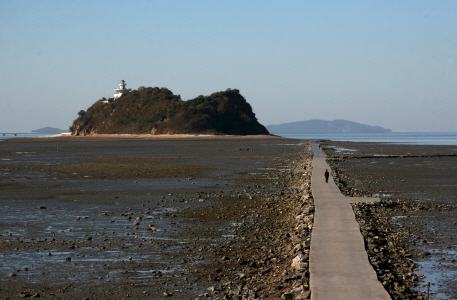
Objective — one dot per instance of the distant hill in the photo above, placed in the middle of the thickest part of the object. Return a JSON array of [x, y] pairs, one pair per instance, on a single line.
[[159, 111], [48, 130], [321, 126]]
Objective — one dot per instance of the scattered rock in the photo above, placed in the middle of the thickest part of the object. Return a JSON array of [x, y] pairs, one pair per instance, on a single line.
[[24, 295], [299, 263], [287, 296], [11, 274]]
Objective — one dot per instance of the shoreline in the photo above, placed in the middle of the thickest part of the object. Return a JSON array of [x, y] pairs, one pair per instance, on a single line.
[[101, 137]]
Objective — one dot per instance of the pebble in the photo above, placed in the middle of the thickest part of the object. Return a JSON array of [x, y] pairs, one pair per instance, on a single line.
[[11, 274]]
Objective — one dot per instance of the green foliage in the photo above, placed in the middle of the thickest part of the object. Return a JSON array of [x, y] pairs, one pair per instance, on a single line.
[[141, 110]]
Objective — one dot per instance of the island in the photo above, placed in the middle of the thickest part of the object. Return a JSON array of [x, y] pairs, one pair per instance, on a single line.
[[322, 126], [48, 130], [155, 111]]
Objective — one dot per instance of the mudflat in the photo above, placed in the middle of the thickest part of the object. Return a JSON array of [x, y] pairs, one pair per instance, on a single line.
[[114, 217], [410, 236]]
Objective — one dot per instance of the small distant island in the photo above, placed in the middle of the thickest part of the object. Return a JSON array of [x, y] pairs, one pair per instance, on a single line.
[[322, 126], [156, 111], [48, 130]]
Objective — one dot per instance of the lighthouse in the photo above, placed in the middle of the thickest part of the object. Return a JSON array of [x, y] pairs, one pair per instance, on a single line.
[[121, 90]]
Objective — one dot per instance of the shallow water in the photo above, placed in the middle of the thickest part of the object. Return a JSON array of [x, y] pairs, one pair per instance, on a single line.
[[439, 271], [416, 138]]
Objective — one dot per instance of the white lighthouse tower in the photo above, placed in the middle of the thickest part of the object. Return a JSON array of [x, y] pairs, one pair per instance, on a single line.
[[121, 90]]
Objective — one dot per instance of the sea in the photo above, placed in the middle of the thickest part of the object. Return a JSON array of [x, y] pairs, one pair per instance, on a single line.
[[22, 135], [417, 138]]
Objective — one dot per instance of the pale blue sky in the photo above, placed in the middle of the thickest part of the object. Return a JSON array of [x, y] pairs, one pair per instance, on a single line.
[[386, 63]]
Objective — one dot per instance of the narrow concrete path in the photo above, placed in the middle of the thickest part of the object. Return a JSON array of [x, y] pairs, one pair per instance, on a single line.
[[339, 266]]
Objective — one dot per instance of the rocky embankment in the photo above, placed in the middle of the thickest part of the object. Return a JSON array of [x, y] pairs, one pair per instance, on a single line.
[[268, 255], [388, 249]]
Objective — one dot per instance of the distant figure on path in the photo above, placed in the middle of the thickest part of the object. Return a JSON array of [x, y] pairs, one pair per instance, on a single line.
[[326, 174]]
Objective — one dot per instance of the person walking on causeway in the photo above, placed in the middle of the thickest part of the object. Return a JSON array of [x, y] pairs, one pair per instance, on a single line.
[[327, 175]]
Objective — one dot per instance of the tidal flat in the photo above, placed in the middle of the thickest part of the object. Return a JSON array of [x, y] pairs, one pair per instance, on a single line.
[[411, 235], [130, 217]]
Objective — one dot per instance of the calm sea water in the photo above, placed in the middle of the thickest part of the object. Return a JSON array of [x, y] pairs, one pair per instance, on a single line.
[[417, 138], [21, 135]]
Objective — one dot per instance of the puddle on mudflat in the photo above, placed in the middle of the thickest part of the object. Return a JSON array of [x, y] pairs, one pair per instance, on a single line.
[[438, 269], [381, 195], [341, 150]]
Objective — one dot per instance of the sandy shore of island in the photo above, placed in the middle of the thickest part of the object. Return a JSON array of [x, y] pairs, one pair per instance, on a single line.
[[159, 137]]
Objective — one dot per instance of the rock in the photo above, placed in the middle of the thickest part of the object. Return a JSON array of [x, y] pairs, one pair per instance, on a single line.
[[304, 295], [299, 263], [286, 296], [298, 290], [11, 274], [24, 295]]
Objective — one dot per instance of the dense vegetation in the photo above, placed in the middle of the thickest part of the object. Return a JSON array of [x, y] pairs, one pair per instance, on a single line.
[[158, 111]]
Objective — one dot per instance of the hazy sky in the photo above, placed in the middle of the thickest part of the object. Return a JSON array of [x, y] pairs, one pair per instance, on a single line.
[[387, 63]]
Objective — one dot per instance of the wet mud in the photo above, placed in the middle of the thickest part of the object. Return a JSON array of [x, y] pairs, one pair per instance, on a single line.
[[115, 218], [410, 235]]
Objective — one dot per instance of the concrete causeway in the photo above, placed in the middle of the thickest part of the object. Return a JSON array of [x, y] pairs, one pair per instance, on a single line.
[[338, 262]]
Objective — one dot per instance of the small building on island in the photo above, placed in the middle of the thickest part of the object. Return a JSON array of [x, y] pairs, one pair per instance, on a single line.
[[121, 90]]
